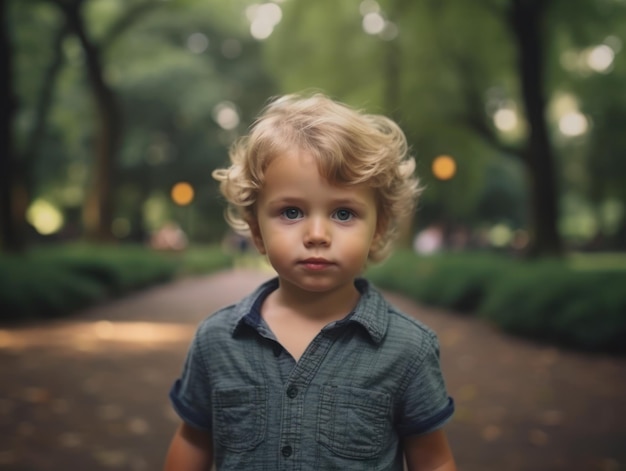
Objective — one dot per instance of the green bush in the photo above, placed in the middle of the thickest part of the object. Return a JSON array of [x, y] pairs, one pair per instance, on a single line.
[[120, 268], [576, 303], [57, 280], [30, 289], [456, 281], [552, 302], [200, 260]]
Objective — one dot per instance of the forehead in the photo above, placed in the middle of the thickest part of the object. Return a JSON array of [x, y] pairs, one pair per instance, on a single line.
[[297, 174]]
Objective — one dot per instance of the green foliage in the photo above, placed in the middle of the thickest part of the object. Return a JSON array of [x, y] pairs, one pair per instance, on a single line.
[[59, 280], [455, 281], [167, 92], [55, 281], [550, 301], [119, 268], [202, 260], [31, 289], [576, 303]]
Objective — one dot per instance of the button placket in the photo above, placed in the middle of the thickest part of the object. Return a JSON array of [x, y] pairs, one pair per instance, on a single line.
[[293, 406]]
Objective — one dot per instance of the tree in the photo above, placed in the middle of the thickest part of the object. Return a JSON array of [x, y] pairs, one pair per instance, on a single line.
[[163, 89], [98, 208], [10, 237], [98, 205], [527, 20]]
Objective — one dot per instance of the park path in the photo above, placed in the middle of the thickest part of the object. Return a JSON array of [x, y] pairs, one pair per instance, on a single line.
[[89, 393]]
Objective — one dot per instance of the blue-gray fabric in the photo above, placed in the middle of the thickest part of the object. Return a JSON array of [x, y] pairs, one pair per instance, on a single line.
[[362, 384]]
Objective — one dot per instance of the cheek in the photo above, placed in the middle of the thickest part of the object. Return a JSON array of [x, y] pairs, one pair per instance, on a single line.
[[275, 238]]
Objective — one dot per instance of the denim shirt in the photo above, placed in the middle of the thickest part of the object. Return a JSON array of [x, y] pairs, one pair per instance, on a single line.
[[362, 384]]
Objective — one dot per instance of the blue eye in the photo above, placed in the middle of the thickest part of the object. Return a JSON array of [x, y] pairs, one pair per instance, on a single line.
[[343, 215], [292, 213]]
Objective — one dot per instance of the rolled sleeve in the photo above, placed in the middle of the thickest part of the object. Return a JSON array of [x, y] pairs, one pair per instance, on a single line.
[[189, 394], [426, 405]]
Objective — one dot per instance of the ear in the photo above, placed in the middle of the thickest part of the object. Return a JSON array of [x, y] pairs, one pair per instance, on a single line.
[[382, 226], [257, 238], [379, 234]]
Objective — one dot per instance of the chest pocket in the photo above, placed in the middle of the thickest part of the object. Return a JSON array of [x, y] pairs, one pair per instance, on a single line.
[[240, 417], [354, 423]]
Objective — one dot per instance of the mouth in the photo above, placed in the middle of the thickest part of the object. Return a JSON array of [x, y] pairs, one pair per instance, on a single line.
[[316, 263]]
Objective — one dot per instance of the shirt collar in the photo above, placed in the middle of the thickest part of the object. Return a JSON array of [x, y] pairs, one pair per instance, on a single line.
[[371, 312]]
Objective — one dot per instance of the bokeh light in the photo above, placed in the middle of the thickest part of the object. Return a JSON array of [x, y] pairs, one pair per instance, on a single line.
[[369, 6], [444, 167], [226, 115], [600, 58], [505, 119], [573, 124], [500, 235], [263, 19], [182, 193], [373, 23], [44, 217], [197, 43]]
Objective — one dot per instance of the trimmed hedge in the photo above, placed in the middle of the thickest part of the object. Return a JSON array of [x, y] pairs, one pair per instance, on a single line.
[[549, 300], [458, 282], [552, 302], [31, 290], [59, 280]]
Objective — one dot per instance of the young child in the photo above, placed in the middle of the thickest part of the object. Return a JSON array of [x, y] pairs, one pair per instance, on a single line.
[[314, 370]]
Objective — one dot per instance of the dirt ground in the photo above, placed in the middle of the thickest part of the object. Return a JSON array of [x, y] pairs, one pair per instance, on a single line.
[[90, 392]]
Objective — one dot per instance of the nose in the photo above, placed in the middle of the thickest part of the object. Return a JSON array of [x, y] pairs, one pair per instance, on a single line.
[[317, 232]]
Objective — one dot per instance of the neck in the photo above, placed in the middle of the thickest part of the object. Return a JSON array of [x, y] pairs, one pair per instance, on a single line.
[[322, 306]]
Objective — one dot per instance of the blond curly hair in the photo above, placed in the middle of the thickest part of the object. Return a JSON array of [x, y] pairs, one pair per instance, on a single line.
[[350, 147]]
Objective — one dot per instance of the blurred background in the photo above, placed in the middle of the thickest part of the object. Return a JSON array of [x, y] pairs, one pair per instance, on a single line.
[[115, 112]]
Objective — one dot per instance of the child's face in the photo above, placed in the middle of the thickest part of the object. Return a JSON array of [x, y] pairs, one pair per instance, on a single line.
[[317, 236]]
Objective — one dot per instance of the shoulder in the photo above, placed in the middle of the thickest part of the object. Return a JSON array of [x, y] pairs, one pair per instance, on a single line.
[[218, 321], [214, 330], [409, 325], [225, 322], [411, 332], [405, 331]]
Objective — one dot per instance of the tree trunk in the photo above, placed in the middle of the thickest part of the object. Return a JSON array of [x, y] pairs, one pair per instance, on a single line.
[[37, 133], [526, 18], [98, 206], [11, 231]]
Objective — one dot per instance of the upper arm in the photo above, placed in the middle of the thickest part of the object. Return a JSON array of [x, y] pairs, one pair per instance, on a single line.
[[428, 452], [191, 449]]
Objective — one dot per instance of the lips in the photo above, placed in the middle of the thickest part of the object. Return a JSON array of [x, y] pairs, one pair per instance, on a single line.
[[315, 263]]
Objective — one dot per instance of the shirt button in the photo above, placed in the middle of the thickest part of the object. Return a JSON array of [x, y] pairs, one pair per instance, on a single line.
[[292, 391], [286, 451]]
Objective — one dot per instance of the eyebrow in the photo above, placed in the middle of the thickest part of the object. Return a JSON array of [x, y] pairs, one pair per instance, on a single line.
[[349, 202], [294, 200]]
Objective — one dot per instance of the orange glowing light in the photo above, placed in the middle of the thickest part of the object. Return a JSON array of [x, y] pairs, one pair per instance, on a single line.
[[444, 167], [182, 193]]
